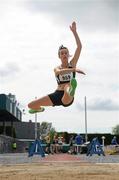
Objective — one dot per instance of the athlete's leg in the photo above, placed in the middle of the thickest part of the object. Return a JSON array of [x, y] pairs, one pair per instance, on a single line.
[[36, 104], [73, 85], [69, 92], [67, 98]]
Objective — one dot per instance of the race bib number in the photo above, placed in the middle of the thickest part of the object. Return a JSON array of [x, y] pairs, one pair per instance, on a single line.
[[66, 77]]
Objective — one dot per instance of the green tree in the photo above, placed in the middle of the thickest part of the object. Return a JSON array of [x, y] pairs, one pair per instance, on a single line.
[[115, 129], [46, 128], [52, 133]]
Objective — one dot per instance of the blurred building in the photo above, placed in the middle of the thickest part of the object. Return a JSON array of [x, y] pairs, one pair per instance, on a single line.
[[9, 111], [23, 130]]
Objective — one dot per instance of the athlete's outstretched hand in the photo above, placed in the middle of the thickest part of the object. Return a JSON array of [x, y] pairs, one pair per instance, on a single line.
[[73, 27], [80, 71]]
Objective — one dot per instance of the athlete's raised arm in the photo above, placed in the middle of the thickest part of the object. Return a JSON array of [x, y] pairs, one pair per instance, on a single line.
[[78, 43]]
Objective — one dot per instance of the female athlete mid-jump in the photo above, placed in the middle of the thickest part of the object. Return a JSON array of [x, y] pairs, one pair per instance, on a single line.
[[65, 76]]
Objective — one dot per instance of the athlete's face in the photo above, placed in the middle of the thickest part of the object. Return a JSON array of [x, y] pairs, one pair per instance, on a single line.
[[64, 54]]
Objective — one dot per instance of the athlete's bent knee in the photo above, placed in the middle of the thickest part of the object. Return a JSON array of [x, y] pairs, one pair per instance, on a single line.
[[68, 103], [30, 105]]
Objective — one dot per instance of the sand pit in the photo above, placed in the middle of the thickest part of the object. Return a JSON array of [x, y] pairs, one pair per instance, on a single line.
[[58, 167], [60, 171]]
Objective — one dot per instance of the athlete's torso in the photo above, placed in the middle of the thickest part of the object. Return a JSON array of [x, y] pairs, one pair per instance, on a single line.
[[64, 79]]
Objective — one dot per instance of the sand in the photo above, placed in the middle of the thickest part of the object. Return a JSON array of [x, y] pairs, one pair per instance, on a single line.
[[60, 171]]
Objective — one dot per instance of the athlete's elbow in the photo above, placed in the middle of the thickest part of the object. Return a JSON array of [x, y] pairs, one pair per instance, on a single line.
[[80, 46]]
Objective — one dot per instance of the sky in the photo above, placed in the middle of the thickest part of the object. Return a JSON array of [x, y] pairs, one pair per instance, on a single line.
[[31, 32]]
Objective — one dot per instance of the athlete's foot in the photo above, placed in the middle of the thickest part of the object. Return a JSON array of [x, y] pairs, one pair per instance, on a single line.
[[32, 111], [73, 85]]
